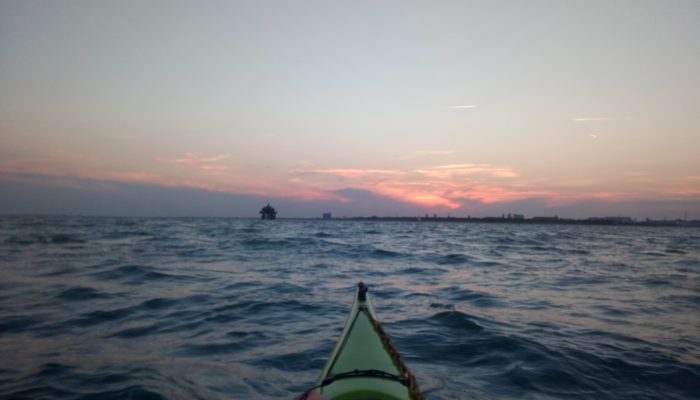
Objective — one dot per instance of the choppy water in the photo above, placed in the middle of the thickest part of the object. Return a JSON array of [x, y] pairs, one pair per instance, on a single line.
[[232, 309]]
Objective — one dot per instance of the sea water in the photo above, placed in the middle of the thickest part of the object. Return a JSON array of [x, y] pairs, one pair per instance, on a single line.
[[179, 308]]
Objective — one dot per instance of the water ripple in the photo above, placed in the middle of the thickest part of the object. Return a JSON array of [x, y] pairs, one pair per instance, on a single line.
[[223, 308]]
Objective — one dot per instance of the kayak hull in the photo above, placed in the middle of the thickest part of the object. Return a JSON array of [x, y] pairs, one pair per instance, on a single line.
[[364, 363]]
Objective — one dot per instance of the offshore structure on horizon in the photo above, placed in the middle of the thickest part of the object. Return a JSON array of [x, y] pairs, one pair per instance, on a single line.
[[268, 212]]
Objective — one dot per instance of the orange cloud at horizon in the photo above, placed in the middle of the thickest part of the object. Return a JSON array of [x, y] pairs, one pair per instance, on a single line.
[[449, 186]]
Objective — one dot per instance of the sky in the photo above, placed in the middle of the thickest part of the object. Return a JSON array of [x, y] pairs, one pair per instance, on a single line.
[[461, 108]]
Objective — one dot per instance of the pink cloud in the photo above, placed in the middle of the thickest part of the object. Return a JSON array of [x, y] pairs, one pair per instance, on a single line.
[[445, 186], [352, 173], [454, 170], [441, 186]]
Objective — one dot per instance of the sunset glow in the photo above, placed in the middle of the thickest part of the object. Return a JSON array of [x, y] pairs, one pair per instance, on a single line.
[[355, 107]]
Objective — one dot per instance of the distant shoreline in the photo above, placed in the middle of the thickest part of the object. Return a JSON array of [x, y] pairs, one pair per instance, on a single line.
[[606, 221], [603, 221]]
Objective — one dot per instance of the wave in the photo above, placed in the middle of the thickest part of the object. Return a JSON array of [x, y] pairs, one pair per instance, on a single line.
[[309, 360], [455, 320], [135, 332], [59, 238], [382, 253], [459, 295], [101, 316], [12, 324], [220, 308], [82, 294], [423, 271], [324, 235], [138, 275], [453, 259], [242, 342], [61, 381], [269, 243]]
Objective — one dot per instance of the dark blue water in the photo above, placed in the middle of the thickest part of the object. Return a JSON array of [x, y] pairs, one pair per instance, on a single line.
[[231, 309]]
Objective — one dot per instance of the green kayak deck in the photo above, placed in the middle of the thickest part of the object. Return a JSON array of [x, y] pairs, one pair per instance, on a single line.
[[364, 363]]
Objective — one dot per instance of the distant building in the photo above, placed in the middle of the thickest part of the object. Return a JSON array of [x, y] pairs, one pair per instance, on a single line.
[[327, 215], [268, 212], [545, 219], [611, 220], [518, 216], [619, 220]]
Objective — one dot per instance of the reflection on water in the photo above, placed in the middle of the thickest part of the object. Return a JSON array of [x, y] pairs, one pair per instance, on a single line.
[[220, 308]]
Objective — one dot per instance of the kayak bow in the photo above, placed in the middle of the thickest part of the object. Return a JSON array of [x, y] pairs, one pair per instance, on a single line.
[[364, 363]]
